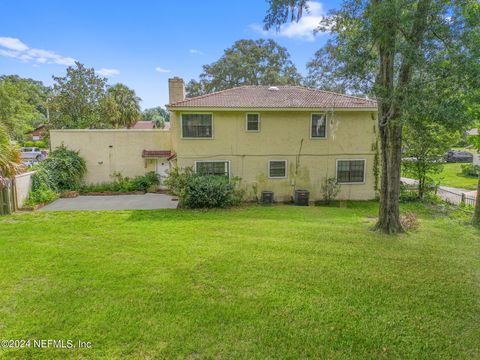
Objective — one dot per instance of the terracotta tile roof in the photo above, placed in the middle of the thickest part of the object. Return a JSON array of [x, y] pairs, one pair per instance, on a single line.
[[156, 153], [144, 125], [294, 97]]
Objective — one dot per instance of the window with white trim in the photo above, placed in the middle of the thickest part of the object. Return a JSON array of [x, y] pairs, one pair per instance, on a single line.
[[318, 128], [277, 169], [220, 168], [197, 125], [253, 122], [350, 171]]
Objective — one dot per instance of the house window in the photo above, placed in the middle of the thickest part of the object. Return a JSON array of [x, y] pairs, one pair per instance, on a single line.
[[253, 122], [221, 168], [350, 171], [197, 125], [277, 168], [318, 128]]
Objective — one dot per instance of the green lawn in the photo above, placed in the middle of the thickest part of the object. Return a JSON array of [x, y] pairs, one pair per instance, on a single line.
[[252, 283], [452, 176]]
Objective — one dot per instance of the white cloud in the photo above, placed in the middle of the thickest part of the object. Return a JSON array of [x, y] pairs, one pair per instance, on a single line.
[[303, 29], [162, 70], [15, 48], [108, 72], [195, 52], [12, 44]]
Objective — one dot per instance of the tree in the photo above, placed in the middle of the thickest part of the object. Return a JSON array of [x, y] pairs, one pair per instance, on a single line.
[[401, 51], [120, 107], [158, 115], [76, 99], [475, 141], [10, 161], [247, 62], [22, 104], [425, 145]]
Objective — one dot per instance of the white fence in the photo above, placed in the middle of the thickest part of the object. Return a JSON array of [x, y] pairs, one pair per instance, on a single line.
[[22, 186]]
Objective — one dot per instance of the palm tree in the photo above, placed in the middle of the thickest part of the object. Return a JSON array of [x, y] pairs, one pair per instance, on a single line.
[[10, 161], [126, 104]]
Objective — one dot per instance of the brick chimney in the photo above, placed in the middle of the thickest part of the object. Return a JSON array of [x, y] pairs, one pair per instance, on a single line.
[[176, 90]]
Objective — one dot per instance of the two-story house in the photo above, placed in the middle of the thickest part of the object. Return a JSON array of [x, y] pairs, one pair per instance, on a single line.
[[277, 138], [274, 138]]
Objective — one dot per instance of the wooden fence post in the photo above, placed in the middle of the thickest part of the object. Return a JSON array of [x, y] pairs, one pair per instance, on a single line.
[[462, 202]]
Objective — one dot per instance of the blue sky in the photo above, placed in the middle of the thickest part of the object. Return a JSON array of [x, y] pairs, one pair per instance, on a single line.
[[140, 43]]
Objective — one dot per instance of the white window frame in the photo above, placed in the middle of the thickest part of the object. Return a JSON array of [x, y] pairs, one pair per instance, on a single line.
[[278, 177], [246, 122], [352, 183], [223, 161], [197, 113], [326, 126]]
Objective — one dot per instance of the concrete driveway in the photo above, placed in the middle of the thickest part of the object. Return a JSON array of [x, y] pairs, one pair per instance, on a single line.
[[116, 202]]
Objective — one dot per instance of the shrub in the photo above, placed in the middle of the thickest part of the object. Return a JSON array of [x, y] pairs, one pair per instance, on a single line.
[[470, 169], [200, 191], [329, 189], [41, 177], [125, 184], [40, 144], [42, 195], [177, 180], [63, 170], [211, 192]]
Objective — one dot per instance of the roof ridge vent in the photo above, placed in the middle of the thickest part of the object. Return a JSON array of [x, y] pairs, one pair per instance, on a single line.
[[273, 88]]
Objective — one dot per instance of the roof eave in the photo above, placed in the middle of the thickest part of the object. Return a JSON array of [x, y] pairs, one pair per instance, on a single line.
[[309, 109]]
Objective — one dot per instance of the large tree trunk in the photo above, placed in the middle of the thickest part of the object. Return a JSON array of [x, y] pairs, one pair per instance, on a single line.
[[389, 211], [476, 214]]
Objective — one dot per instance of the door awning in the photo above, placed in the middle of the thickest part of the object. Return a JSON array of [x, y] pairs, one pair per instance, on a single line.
[[156, 154]]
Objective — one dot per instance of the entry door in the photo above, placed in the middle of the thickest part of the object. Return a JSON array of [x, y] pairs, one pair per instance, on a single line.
[[162, 168]]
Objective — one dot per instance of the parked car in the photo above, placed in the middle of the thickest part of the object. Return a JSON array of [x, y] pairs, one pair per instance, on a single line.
[[31, 153], [459, 156]]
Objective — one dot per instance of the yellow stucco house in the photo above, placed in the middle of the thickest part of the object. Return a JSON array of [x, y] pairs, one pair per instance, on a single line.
[[274, 138]]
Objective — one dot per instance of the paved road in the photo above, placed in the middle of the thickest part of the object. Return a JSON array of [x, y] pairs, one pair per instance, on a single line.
[[449, 194], [116, 202]]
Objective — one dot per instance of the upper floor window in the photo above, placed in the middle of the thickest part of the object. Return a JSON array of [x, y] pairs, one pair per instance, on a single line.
[[221, 168], [197, 125], [277, 169], [253, 122], [350, 171], [318, 128]]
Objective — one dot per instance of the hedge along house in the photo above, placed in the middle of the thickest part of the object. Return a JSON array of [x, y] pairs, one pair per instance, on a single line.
[[274, 138], [277, 138]]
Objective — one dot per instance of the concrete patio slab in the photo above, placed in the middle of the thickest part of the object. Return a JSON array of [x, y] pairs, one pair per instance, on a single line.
[[116, 202]]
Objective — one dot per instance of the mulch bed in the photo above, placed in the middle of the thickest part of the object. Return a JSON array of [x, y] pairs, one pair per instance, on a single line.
[[104, 193]]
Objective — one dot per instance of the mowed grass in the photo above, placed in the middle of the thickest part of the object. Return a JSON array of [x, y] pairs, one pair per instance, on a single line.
[[452, 176], [282, 282]]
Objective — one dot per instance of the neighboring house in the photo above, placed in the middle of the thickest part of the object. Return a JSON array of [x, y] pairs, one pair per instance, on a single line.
[[37, 134], [144, 125], [274, 138]]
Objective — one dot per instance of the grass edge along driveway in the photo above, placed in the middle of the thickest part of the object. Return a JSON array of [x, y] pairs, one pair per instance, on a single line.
[[254, 282]]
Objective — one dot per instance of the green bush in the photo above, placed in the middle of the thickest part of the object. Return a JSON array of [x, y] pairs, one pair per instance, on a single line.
[[42, 195], [42, 177], [40, 144], [200, 191], [125, 184], [63, 170], [28, 144], [470, 169], [177, 181]]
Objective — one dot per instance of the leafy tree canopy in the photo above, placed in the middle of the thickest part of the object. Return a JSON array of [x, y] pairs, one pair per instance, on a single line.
[[76, 99], [247, 62], [120, 106], [157, 114], [22, 104]]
